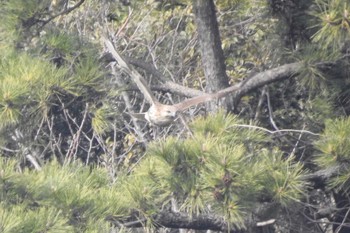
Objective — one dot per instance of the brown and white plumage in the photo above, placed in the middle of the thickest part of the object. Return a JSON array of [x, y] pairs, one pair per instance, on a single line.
[[161, 114]]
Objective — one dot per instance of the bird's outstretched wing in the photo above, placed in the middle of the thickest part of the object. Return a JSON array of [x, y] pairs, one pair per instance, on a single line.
[[158, 113], [194, 101], [136, 76], [206, 97]]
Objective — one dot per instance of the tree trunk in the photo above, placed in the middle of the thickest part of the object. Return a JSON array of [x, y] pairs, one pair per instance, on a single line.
[[213, 60]]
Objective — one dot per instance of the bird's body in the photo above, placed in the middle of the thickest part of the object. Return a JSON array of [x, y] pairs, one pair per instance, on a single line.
[[161, 114]]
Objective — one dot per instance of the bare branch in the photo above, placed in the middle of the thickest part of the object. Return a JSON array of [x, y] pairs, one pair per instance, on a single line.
[[343, 222], [66, 11], [171, 219], [258, 80], [180, 220]]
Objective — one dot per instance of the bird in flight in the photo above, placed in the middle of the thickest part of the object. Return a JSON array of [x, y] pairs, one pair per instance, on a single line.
[[158, 113]]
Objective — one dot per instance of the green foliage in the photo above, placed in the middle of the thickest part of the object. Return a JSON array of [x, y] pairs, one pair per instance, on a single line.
[[312, 77], [18, 16], [319, 108], [227, 128], [43, 219], [217, 166], [334, 146], [334, 23], [32, 90], [254, 37], [101, 119], [50, 76], [283, 177], [87, 76], [195, 171], [62, 43], [58, 199], [31, 82], [23, 79]]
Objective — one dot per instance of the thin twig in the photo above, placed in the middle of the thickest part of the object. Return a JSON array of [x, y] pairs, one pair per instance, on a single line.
[[66, 11], [52, 137], [90, 147], [39, 129], [126, 21], [270, 111], [261, 101], [342, 223], [33, 162], [125, 96], [297, 142], [276, 131], [8, 150], [76, 137], [265, 223]]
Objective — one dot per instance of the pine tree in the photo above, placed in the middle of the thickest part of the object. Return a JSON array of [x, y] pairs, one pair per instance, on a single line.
[[64, 104]]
